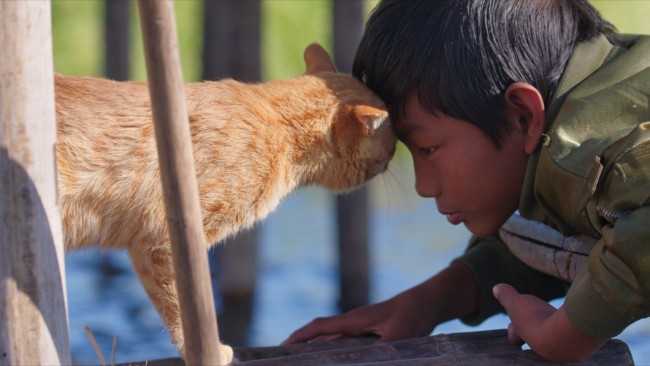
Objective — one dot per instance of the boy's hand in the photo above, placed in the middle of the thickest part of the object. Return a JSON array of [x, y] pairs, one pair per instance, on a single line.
[[413, 313], [546, 329], [397, 318]]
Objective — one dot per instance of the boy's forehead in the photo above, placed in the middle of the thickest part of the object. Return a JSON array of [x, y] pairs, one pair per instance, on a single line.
[[413, 117], [414, 110], [404, 126]]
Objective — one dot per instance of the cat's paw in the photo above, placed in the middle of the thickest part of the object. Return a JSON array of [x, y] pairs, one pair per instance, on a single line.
[[226, 354]]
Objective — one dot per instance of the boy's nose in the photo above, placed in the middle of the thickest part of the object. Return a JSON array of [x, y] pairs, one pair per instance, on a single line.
[[426, 184]]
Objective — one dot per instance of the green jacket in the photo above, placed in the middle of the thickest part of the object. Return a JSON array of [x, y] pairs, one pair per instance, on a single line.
[[591, 176]]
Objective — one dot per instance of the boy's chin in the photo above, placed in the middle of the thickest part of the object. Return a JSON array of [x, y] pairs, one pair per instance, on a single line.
[[483, 228]]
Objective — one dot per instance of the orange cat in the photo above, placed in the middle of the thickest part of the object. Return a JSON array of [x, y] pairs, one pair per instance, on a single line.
[[253, 144]]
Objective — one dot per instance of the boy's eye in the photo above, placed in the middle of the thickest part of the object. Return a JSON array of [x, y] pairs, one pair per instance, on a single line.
[[426, 151]]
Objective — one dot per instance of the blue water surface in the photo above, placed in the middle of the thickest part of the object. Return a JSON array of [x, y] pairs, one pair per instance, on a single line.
[[297, 276]]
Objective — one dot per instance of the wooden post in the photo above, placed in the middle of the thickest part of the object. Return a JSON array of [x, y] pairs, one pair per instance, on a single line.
[[352, 208], [117, 36], [179, 181], [117, 19], [231, 48], [232, 40], [33, 316]]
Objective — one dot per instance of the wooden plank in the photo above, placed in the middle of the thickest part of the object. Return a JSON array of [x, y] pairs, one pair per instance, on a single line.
[[257, 353], [435, 347], [33, 315], [474, 348], [179, 182]]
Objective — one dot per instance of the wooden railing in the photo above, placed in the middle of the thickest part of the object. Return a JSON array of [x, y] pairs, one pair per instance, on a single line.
[[33, 315]]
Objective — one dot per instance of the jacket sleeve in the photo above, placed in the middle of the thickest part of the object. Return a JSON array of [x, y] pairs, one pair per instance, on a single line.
[[614, 290], [491, 263]]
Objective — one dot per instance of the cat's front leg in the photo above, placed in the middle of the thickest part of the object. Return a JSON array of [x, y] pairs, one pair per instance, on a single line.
[[155, 268]]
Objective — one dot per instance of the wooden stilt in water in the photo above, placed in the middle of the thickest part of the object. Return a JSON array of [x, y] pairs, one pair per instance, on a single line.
[[231, 48], [179, 182], [117, 41], [33, 314], [352, 208], [117, 19]]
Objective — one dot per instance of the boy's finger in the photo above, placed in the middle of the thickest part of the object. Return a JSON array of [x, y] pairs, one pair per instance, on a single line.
[[317, 327], [506, 294], [513, 337]]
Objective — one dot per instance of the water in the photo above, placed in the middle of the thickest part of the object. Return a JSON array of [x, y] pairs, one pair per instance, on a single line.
[[297, 279]]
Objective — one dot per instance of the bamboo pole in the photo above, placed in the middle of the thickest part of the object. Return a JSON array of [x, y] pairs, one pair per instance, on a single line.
[[179, 182], [33, 316]]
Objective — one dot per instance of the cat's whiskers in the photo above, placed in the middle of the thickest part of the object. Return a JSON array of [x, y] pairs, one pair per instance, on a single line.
[[390, 185]]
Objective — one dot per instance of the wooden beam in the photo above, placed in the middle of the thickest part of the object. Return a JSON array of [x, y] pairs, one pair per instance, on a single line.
[[474, 348], [179, 182], [33, 315]]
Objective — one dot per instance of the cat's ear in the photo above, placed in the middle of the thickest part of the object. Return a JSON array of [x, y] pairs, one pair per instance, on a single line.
[[371, 118], [318, 60]]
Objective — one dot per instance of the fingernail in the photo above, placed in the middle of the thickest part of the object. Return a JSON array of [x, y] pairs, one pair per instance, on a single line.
[[495, 291]]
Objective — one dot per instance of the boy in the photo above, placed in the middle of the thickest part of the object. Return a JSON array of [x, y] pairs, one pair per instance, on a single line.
[[506, 104]]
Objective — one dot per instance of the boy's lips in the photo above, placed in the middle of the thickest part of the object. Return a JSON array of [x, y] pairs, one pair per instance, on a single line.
[[454, 218]]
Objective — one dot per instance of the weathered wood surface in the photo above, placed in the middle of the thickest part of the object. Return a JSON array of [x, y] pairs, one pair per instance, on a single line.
[[33, 317], [475, 349], [178, 176]]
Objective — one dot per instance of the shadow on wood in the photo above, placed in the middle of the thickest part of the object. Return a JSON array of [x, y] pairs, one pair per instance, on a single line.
[[475, 348]]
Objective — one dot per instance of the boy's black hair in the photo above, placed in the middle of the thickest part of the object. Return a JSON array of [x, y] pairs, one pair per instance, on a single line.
[[459, 56]]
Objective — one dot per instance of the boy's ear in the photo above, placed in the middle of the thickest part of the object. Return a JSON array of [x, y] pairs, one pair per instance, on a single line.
[[318, 60], [525, 110]]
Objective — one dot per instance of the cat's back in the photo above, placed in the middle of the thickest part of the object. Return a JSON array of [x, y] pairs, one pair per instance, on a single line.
[[100, 121], [100, 101], [106, 159]]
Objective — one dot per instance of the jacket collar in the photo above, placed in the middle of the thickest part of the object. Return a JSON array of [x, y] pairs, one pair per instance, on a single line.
[[587, 57]]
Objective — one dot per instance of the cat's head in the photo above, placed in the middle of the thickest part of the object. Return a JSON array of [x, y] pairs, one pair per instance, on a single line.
[[360, 137]]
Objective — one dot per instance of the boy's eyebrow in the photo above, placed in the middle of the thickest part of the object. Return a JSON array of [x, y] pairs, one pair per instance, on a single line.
[[404, 135], [403, 129]]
